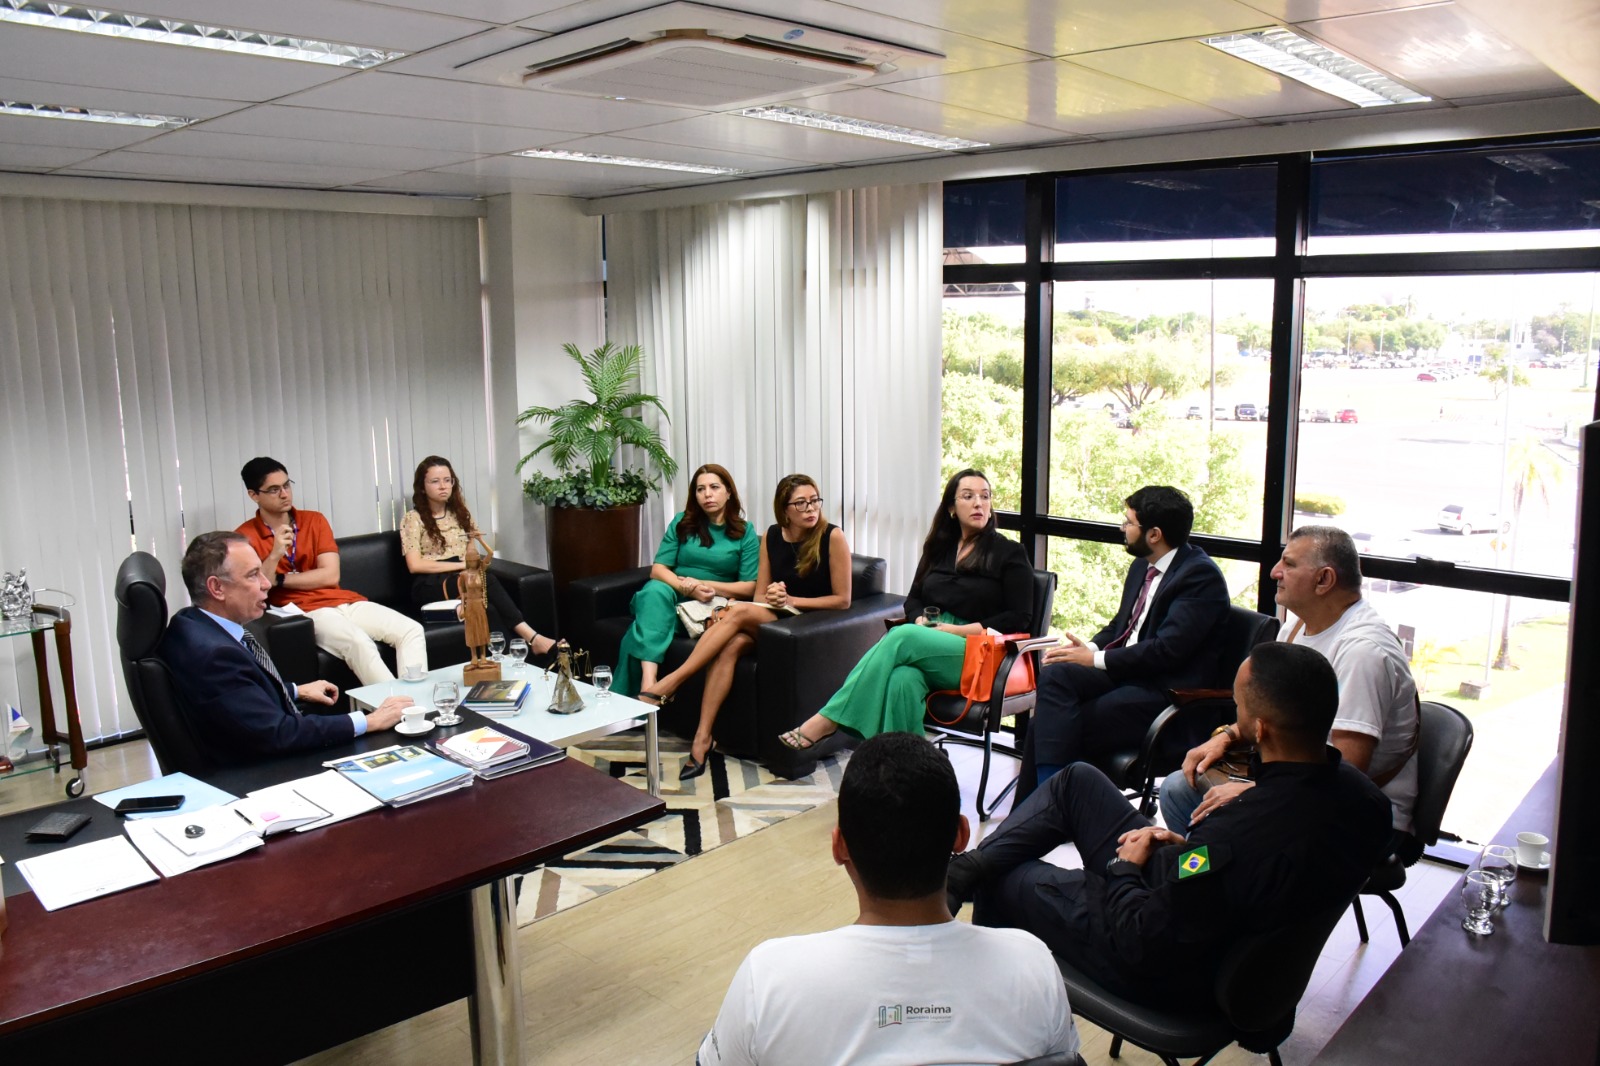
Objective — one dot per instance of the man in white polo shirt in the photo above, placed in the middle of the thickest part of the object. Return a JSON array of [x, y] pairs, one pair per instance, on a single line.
[[1319, 584], [907, 983]]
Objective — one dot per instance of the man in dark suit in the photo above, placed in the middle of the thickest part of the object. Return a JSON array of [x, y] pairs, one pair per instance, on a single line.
[[242, 709], [1101, 695]]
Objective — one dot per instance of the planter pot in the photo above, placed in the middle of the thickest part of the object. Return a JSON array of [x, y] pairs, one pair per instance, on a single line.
[[584, 542]]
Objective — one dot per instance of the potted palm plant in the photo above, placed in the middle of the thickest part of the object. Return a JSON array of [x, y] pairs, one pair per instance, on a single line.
[[594, 502]]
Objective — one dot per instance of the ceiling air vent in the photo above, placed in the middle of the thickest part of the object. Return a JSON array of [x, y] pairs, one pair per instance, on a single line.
[[690, 55]]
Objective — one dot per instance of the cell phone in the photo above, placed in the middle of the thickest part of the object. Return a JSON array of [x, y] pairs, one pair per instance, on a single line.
[[146, 804]]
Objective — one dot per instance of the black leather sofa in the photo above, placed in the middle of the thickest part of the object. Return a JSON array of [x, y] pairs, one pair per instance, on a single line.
[[373, 565], [797, 665]]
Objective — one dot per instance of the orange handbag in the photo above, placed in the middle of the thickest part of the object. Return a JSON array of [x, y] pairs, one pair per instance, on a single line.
[[981, 662]]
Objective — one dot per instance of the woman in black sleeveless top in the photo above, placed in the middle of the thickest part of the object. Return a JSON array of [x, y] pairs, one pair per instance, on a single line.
[[805, 566]]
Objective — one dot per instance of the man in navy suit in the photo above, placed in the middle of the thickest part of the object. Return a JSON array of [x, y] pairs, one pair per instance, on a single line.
[[242, 709], [1101, 695]]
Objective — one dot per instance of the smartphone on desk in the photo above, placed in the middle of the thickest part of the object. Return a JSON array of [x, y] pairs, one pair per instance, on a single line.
[[147, 805]]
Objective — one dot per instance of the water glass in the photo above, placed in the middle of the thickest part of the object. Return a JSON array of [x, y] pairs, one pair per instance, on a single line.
[[601, 680], [445, 695], [1499, 863], [517, 652], [930, 616], [1479, 893], [497, 645]]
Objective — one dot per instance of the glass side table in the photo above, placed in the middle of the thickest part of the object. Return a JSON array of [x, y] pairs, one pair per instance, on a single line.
[[44, 619]]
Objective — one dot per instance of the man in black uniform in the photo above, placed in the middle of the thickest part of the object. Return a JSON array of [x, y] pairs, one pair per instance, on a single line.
[[1146, 913]]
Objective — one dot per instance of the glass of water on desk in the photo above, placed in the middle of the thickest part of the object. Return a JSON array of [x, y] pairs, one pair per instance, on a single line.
[[601, 680], [497, 645], [517, 652], [1479, 893], [445, 695]]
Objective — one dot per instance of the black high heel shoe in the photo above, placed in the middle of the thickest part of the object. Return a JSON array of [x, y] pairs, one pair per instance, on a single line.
[[692, 769]]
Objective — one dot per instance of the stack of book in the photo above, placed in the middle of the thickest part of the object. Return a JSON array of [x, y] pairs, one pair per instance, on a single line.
[[403, 774], [496, 699], [492, 752]]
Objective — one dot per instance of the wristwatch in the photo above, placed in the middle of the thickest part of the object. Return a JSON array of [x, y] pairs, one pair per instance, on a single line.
[[277, 582], [1118, 865]]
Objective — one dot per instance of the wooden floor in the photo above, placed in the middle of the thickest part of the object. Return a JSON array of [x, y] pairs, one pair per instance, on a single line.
[[636, 976]]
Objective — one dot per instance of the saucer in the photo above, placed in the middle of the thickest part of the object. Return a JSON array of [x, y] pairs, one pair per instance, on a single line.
[[1544, 863], [422, 727], [413, 680]]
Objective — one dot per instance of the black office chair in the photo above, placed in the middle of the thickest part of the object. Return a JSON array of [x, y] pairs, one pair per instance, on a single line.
[[1191, 717], [1441, 753], [141, 593], [1258, 988], [949, 718]]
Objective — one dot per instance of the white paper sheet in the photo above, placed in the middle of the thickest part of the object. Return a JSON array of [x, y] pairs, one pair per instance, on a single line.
[[333, 793], [73, 875], [166, 857]]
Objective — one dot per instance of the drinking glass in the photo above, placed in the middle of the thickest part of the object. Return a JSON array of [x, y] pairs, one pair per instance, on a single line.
[[601, 680], [1479, 893], [497, 645], [517, 652], [1499, 863], [930, 616], [445, 695]]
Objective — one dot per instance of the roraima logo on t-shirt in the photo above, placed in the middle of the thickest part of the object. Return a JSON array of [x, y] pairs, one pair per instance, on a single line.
[[901, 1013]]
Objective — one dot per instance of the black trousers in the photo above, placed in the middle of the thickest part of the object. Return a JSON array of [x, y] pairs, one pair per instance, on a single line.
[[1081, 713], [1078, 806], [503, 613]]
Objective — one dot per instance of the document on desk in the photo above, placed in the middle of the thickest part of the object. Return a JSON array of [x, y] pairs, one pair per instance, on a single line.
[[197, 795], [73, 875], [223, 835], [331, 792]]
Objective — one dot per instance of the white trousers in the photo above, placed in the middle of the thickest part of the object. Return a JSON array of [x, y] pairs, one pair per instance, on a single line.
[[349, 630]]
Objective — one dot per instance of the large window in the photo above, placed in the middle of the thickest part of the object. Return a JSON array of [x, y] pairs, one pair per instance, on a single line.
[[1400, 344]]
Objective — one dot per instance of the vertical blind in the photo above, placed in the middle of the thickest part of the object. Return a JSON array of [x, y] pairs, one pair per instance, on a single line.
[[147, 351], [795, 334]]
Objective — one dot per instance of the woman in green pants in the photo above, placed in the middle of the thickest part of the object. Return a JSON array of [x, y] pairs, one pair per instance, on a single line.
[[708, 550], [975, 578]]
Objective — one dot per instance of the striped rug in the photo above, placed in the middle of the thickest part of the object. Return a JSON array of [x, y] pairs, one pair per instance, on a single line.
[[733, 798]]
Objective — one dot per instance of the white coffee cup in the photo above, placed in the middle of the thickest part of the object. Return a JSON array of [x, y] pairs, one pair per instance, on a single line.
[[1530, 849], [415, 716], [414, 672]]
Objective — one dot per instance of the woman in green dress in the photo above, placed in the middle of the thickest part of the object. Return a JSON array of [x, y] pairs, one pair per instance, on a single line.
[[975, 578], [708, 550]]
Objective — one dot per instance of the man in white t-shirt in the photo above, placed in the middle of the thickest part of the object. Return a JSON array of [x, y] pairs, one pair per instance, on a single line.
[[1319, 584], [907, 983]]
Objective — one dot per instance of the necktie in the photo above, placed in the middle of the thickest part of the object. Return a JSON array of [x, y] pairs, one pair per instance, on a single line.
[[1150, 575], [264, 661]]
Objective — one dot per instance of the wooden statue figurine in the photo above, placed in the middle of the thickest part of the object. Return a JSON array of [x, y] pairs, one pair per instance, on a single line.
[[475, 613]]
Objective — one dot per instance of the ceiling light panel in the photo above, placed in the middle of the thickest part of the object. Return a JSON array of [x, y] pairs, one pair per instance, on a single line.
[[122, 25], [92, 114], [860, 127], [1285, 52], [626, 161]]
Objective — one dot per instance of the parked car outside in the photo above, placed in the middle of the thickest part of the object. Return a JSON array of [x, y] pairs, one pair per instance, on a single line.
[[1347, 415], [1195, 411], [1455, 518], [1425, 376], [1244, 412], [1220, 413]]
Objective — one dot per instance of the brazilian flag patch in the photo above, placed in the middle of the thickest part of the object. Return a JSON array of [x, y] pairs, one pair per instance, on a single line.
[[1194, 863]]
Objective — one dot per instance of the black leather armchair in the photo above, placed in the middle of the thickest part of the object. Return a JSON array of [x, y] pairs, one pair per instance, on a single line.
[[141, 594], [797, 665], [373, 565]]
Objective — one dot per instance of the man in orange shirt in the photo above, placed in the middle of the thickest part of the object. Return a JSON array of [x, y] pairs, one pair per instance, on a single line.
[[297, 548]]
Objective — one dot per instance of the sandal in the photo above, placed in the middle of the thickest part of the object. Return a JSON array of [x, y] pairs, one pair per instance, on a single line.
[[796, 740], [655, 697]]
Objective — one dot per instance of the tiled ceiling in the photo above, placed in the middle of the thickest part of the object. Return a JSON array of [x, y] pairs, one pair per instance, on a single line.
[[1011, 73]]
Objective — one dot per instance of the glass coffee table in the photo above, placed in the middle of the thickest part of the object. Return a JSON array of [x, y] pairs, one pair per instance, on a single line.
[[600, 717]]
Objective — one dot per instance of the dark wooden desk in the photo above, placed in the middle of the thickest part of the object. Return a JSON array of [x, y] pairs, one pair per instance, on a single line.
[[311, 940], [1451, 998]]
